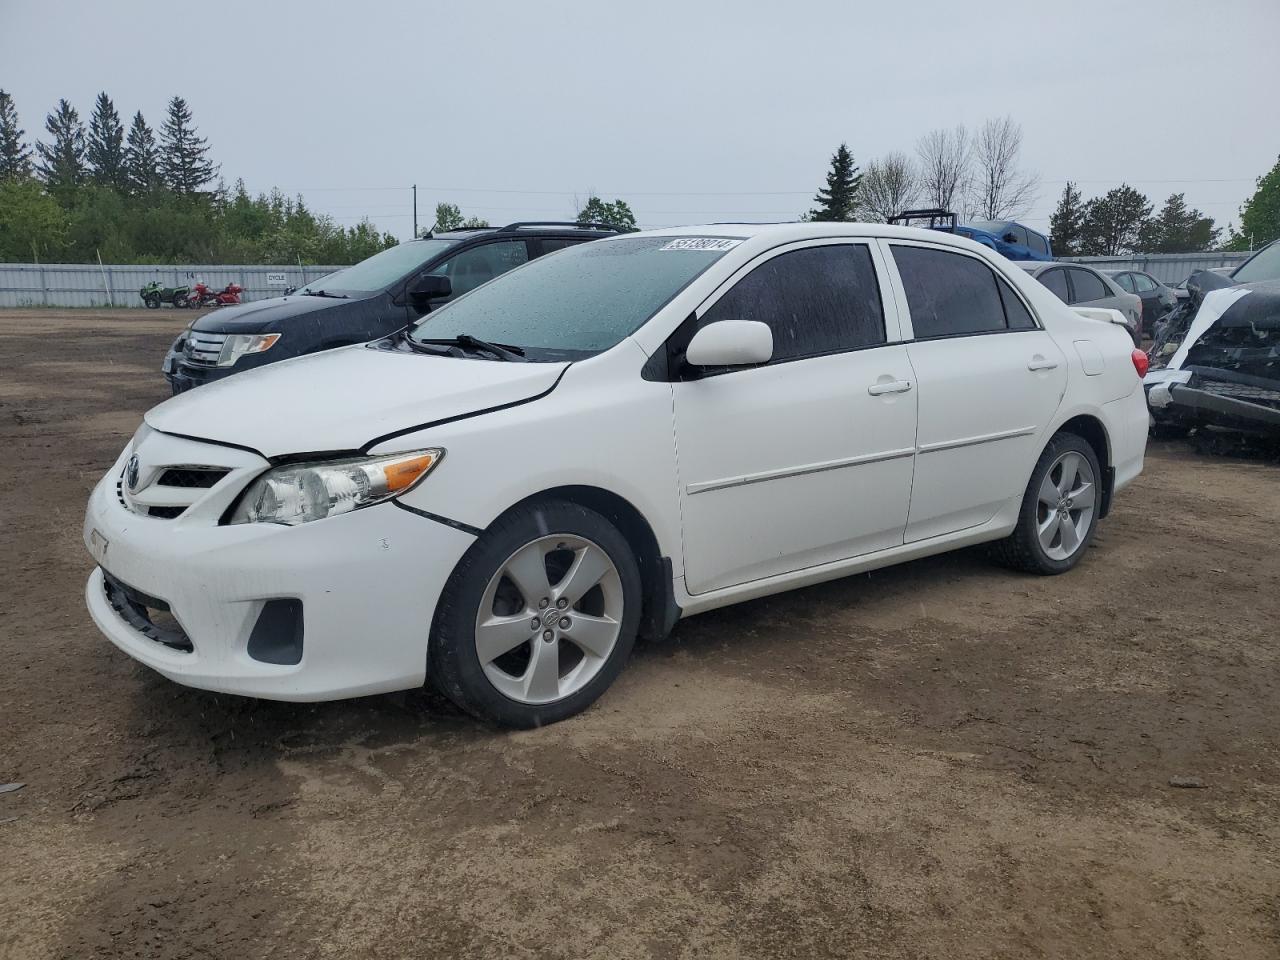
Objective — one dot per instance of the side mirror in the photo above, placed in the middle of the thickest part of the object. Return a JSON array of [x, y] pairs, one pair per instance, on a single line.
[[731, 343], [1010, 238], [429, 287]]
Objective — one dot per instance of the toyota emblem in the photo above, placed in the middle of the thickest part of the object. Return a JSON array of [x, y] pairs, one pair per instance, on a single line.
[[131, 474]]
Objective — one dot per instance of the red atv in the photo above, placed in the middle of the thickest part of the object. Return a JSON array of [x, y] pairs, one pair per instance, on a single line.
[[202, 296]]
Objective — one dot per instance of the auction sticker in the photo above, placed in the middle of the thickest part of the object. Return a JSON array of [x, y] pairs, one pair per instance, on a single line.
[[715, 244]]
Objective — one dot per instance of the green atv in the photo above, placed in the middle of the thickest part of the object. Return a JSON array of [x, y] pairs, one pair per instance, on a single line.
[[153, 294]]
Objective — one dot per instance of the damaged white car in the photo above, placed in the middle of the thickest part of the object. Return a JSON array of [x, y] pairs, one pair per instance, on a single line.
[[599, 442]]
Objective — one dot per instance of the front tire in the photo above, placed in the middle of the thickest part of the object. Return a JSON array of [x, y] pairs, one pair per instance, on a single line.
[[539, 617], [1059, 510]]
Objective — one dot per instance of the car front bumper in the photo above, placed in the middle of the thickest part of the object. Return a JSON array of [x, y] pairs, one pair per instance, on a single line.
[[365, 586]]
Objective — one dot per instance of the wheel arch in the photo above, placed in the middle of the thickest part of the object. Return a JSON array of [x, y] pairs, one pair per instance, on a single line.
[[660, 611], [1092, 430]]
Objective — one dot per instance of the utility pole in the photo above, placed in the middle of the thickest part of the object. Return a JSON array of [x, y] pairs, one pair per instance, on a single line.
[[415, 211]]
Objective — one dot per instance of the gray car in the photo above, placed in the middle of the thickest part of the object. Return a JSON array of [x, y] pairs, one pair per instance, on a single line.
[[1081, 286], [1157, 299]]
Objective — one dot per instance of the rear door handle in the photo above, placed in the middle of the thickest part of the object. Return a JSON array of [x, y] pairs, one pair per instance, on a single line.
[[889, 386], [1040, 363]]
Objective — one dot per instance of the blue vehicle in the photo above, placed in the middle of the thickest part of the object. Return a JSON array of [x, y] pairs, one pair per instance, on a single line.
[[1007, 237]]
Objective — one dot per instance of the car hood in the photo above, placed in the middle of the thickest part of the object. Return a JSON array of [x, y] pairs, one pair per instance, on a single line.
[[343, 399], [261, 315]]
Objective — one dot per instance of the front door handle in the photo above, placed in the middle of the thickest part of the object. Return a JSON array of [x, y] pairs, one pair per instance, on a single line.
[[1040, 363], [880, 388]]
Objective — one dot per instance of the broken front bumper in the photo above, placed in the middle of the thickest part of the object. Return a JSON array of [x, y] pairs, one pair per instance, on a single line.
[[1202, 401]]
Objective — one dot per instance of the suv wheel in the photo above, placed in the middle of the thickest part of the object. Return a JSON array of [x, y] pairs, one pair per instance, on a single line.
[[1059, 509], [538, 618]]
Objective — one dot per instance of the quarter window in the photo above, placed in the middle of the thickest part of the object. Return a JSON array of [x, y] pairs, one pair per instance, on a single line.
[[816, 300], [951, 295], [1086, 287], [1037, 243]]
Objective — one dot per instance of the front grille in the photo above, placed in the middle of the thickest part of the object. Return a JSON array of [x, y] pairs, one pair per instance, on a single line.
[[165, 513], [200, 477], [1240, 391], [204, 348]]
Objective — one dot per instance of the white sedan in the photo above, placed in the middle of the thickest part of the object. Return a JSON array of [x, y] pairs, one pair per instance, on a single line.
[[599, 443]]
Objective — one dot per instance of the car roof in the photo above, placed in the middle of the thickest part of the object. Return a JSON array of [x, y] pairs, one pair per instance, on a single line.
[[790, 231]]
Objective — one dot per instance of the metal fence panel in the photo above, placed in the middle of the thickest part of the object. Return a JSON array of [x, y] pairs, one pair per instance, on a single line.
[[91, 285], [1170, 268]]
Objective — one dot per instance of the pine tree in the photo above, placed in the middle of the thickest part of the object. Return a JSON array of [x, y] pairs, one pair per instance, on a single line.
[[1114, 222], [1177, 229], [15, 156], [1066, 226], [141, 158], [105, 149], [839, 199], [62, 162], [183, 154]]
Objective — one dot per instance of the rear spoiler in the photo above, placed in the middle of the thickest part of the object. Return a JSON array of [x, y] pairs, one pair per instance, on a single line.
[[1104, 314]]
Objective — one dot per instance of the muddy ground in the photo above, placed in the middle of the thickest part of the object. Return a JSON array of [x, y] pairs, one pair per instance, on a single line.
[[939, 760]]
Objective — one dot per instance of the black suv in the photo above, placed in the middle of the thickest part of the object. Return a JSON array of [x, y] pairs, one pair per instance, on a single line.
[[367, 301]]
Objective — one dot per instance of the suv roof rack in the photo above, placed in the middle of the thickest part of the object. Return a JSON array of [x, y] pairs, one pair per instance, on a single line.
[[520, 224], [935, 215]]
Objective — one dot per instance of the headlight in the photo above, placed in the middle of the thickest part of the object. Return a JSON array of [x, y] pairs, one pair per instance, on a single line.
[[301, 492], [238, 344]]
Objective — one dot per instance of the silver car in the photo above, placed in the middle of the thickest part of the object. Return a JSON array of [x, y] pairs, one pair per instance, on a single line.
[[1081, 286]]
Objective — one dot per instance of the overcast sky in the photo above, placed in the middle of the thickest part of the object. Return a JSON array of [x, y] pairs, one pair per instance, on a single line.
[[691, 111]]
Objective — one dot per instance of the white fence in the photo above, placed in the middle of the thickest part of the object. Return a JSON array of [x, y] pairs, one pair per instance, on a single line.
[[91, 285]]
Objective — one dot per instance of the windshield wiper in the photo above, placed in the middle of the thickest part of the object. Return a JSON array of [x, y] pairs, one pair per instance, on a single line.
[[323, 293], [503, 351]]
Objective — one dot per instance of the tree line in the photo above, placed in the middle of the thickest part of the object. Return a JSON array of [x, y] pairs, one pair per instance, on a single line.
[[980, 177], [616, 213], [137, 197]]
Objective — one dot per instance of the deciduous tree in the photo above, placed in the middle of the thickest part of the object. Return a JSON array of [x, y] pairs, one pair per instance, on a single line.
[[946, 159], [1260, 215], [616, 214], [890, 185], [1002, 190]]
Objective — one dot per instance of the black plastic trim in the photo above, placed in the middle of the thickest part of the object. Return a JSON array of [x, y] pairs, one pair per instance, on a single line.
[[661, 612], [448, 522], [277, 633]]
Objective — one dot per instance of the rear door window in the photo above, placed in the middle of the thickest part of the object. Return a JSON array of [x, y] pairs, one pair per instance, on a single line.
[[949, 294], [1056, 280], [816, 300], [1086, 287], [1125, 281], [1144, 284]]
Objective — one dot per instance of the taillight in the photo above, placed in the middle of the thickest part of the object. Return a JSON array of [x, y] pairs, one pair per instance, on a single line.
[[1141, 362]]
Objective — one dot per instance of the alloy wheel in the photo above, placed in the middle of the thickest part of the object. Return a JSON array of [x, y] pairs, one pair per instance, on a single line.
[[1065, 507], [549, 619]]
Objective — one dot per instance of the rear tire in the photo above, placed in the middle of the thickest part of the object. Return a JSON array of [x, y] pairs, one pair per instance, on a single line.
[[559, 564], [1059, 510]]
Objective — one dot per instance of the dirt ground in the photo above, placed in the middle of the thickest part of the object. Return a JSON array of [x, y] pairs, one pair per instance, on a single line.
[[938, 760]]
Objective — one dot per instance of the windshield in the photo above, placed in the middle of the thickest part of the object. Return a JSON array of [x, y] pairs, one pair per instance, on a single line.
[[1265, 265], [579, 301], [382, 269]]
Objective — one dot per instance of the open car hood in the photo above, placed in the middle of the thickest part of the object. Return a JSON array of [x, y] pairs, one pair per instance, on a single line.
[[343, 399]]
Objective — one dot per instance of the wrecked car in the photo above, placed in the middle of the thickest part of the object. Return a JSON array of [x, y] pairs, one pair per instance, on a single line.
[[1215, 361]]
